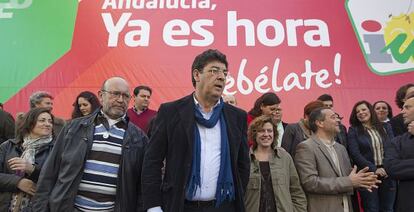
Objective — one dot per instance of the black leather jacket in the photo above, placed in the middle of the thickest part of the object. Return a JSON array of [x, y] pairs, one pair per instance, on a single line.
[[8, 179], [62, 173]]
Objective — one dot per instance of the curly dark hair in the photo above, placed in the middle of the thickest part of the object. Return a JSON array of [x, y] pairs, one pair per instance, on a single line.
[[91, 97], [206, 57], [400, 94], [257, 124]]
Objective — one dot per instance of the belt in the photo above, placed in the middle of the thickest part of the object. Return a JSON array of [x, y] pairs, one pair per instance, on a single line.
[[200, 204]]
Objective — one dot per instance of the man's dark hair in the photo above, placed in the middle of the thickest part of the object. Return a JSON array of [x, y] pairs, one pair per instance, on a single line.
[[400, 94], [266, 99], [325, 97], [142, 87], [29, 121], [206, 57], [316, 115]]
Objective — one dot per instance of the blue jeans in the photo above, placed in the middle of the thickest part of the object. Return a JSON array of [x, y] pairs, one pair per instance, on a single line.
[[381, 199]]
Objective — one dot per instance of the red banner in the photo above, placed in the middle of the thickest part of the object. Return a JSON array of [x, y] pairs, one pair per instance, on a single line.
[[298, 49]]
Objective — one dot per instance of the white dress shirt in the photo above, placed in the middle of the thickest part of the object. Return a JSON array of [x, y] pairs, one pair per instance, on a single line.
[[280, 132], [334, 157], [210, 157]]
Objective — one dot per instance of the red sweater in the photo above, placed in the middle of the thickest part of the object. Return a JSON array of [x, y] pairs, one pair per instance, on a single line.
[[142, 119]]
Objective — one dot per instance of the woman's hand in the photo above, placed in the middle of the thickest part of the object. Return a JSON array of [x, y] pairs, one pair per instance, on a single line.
[[21, 164], [27, 186]]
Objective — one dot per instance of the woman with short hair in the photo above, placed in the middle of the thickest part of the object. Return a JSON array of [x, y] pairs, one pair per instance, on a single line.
[[274, 183]]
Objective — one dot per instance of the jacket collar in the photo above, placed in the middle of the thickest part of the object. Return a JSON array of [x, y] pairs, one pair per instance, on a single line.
[[185, 108], [90, 120], [276, 153], [186, 111], [324, 150]]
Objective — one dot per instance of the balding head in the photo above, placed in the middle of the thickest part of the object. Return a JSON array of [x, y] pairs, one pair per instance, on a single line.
[[112, 80], [114, 97]]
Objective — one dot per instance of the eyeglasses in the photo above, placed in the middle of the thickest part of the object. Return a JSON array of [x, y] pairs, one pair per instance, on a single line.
[[219, 71], [117, 94]]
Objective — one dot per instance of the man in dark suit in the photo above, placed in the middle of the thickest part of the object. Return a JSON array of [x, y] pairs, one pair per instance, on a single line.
[[399, 159], [204, 145], [397, 122]]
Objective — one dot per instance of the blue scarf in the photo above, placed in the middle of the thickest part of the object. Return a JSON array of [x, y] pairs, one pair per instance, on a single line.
[[225, 185]]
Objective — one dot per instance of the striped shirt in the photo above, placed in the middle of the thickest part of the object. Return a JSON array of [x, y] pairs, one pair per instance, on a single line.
[[377, 146], [97, 189]]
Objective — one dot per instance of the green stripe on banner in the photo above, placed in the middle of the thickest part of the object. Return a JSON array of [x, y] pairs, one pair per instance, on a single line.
[[33, 35]]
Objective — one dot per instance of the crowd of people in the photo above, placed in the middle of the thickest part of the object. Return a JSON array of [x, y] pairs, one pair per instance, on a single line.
[[202, 153]]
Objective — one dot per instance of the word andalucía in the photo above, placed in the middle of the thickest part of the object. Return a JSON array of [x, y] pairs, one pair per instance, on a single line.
[[156, 4]]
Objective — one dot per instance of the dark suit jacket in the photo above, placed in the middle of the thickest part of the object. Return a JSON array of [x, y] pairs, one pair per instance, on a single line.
[[360, 147], [6, 126], [172, 140], [293, 135], [398, 126], [399, 163]]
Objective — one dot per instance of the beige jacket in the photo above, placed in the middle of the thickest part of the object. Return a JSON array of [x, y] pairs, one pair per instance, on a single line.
[[289, 195], [324, 185]]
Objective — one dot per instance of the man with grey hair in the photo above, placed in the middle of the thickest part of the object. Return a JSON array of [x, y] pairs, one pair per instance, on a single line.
[[96, 162], [44, 99], [41, 99]]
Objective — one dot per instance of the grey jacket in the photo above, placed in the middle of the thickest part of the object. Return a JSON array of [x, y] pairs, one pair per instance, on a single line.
[[322, 182], [62, 173]]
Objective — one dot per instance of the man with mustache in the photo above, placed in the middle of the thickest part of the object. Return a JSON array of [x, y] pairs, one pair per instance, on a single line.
[[96, 162], [204, 144]]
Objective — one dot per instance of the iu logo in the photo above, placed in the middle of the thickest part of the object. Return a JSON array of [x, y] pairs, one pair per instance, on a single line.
[[385, 31]]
